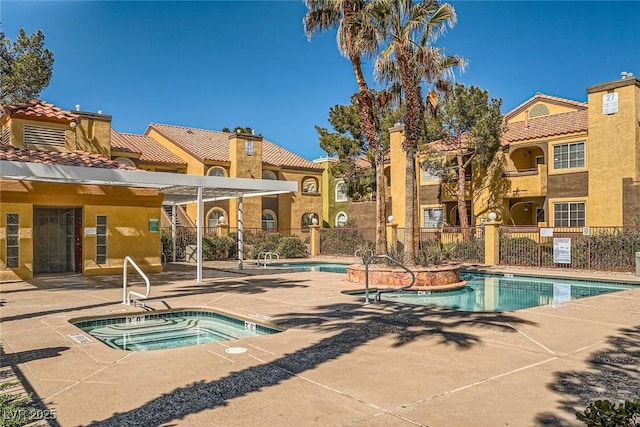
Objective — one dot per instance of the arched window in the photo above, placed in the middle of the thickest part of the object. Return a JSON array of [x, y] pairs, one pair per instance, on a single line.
[[341, 219], [539, 110], [217, 171], [341, 191], [269, 221], [269, 175], [214, 218], [307, 220], [309, 185], [125, 161]]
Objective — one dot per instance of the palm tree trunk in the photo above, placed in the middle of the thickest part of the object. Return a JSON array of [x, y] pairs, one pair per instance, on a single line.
[[462, 203], [366, 102]]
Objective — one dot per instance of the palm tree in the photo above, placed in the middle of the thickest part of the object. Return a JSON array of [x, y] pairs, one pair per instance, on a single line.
[[410, 58], [356, 40]]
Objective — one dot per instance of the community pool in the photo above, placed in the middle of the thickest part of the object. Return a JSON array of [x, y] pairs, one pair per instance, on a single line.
[[327, 267], [153, 331], [505, 292]]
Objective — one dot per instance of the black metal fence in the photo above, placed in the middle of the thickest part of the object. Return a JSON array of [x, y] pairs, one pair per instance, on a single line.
[[593, 248]]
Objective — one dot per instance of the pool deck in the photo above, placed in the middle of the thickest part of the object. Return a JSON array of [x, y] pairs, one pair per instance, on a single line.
[[339, 362]]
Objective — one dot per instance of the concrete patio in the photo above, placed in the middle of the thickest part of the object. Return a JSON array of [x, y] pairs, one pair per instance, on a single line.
[[338, 363]]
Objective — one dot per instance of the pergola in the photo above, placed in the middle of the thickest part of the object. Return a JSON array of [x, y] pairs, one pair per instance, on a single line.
[[177, 189]]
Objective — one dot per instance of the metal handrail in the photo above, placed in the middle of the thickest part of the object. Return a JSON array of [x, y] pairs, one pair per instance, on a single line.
[[366, 278], [126, 297], [268, 256]]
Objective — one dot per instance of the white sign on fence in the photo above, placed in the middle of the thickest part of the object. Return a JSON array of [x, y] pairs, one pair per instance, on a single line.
[[562, 250], [546, 232]]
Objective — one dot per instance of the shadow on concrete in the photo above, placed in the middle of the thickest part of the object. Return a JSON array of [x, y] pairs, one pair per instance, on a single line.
[[613, 374], [352, 325], [10, 372], [158, 293]]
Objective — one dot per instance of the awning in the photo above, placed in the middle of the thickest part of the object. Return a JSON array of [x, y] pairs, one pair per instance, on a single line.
[[176, 188]]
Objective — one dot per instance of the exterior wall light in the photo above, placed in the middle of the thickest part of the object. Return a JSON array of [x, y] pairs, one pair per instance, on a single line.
[[390, 219], [221, 220], [314, 221], [73, 125], [492, 216]]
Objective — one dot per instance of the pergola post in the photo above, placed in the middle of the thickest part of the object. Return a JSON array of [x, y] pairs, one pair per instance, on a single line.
[[199, 235], [174, 234], [240, 235]]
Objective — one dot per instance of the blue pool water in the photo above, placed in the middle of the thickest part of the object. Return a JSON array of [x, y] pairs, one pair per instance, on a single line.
[[154, 331], [312, 266], [485, 292]]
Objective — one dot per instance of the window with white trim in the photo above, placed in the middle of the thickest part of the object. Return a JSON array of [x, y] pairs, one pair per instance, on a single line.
[[101, 239], [309, 185], [570, 214], [428, 177], [567, 156], [13, 240], [213, 219], [248, 147], [341, 191], [268, 221], [432, 217], [341, 219]]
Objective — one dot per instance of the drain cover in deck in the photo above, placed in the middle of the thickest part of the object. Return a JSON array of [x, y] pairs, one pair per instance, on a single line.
[[235, 350]]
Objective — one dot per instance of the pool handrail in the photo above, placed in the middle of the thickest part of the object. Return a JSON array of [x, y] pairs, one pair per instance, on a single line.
[[126, 297], [268, 256], [380, 291]]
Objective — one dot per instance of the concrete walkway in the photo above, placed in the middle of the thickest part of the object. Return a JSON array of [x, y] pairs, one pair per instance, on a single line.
[[338, 363]]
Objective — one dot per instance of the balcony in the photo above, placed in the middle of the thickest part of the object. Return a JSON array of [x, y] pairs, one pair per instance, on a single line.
[[527, 183]]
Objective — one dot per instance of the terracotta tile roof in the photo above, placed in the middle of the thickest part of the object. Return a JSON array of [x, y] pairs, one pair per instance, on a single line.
[[214, 145], [545, 98], [38, 109], [74, 158], [150, 150], [546, 126]]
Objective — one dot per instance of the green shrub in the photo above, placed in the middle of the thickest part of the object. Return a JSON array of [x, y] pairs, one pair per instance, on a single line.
[[431, 253], [15, 409], [467, 250], [603, 413], [364, 250], [291, 247], [340, 241], [518, 251], [215, 248]]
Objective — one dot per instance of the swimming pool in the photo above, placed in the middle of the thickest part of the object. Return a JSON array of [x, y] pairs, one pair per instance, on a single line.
[[505, 292], [327, 267], [169, 329]]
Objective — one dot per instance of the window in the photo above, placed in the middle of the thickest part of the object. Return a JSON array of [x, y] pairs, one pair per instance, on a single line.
[[341, 191], [307, 219], [269, 175], [341, 219], [569, 214], [213, 219], [309, 185], [13, 240], [44, 136], [217, 171], [5, 135], [432, 217], [101, 239], [568, 155], [248, 147], [428, 177], [268, 221], [125, 161], [539, 110]]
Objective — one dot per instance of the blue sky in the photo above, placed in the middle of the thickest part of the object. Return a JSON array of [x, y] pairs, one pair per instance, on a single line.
[[218, 64]]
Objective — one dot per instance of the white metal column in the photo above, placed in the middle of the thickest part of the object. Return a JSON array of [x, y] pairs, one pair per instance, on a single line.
[[174, 234], [199, 224], [240, 235]]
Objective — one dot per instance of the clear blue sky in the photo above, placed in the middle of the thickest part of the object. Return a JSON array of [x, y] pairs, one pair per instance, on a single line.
[[222, 64]]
